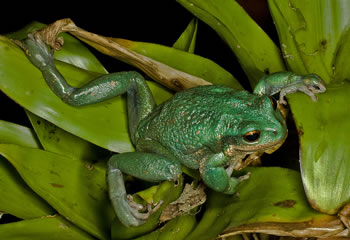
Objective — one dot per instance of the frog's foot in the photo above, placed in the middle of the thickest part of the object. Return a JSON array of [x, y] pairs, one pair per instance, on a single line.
[[131, 213], [37, 51], [141, 212], [307, 86]]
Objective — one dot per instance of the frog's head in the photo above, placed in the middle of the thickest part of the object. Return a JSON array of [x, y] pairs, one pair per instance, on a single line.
[[259, 125]]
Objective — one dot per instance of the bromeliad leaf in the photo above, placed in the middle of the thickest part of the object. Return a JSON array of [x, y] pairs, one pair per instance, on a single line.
[[57, 140], [341, 71], [176, 229], [255, 51], [265, 202], [51, 227], [11, 133], [76, 190], [325, 155], [309, 33], [17, 198], [187, 41]]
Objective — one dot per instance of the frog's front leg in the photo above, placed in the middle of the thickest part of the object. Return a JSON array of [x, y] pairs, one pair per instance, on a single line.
[[288, 82], [150, 167], [215, 176]]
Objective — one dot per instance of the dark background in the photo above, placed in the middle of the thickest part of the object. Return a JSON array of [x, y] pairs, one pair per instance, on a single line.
[[159, 22]]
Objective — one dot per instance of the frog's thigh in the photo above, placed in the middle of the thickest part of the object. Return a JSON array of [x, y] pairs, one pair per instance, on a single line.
[[146, 166]]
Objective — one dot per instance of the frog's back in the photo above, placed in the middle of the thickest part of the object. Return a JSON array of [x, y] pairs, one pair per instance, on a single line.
[[191, 118]]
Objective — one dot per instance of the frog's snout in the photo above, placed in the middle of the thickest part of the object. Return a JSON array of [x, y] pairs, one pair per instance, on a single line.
[[275, 134]]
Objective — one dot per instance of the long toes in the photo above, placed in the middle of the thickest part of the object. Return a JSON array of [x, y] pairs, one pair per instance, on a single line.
[[139, 215], [314, 98], [144, 215], [133, 204], [316, 88], [155, 209], [282, 101]]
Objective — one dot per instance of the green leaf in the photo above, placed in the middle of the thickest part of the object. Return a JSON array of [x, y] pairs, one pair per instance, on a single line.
[[73, 51], [104, 124], [17, 198], [183, 61], [176, 229], [57, 140], [309, 33], [53, 228], [187, 41], [340, 65], [269, 195], [255, 51], [76, 190], [325, 152], [16, 134]]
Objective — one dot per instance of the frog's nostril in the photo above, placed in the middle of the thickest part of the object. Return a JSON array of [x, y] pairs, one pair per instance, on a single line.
[[274, 132]]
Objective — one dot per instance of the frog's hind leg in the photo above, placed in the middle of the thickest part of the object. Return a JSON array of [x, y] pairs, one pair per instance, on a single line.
[[140, 99], [146, 166]]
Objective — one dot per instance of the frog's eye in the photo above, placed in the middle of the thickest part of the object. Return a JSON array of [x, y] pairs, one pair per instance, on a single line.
[[252, 136], [274, 103]]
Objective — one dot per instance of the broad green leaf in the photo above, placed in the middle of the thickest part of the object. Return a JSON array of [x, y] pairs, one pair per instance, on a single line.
[[183, 61], [176, 229], [187, 41], [76, 190], [325, 152], [289, 48], [255, 51], [57, 140], [17, 198], [269, 195], [51, 227], [309, 32], [103, 124], [16, 134], [73, 51], [166, 191]]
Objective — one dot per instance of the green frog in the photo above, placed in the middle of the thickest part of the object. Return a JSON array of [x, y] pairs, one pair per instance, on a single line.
[[209, 128]]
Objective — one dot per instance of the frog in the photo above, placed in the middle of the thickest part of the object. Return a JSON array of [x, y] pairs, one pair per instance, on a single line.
[[207, 128]]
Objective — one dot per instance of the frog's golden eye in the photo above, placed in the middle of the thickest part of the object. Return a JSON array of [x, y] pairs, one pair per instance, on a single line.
[[252, 136], [274, 103]]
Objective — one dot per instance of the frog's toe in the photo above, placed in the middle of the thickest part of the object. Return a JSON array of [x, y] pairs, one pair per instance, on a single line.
[[282, 97], [316, 85], [133, 204], [37, 51], [141, 212], [308, 90]]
